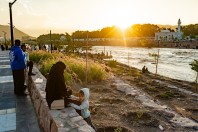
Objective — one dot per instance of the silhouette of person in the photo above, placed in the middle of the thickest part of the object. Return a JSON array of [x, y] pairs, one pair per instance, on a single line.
[[143, 69]]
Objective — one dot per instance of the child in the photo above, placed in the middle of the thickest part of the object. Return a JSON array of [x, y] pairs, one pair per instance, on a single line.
[[84, 106]]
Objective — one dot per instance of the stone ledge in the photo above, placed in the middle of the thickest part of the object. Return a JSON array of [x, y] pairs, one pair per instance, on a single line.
[[64, 120]]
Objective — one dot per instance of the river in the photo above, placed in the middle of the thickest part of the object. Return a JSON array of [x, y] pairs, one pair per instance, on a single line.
[[173, 63]]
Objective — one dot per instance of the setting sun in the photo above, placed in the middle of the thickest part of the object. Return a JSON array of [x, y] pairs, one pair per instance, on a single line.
[[123, 27]]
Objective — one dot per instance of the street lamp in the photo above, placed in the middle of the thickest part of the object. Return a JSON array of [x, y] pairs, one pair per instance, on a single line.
[[87, 59], [11, 24], [51, 40], [157, 58]]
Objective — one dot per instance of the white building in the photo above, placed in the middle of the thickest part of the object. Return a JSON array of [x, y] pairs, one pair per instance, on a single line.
[[166, 35]]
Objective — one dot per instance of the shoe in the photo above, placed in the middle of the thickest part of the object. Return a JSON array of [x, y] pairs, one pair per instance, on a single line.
[[31, 74]]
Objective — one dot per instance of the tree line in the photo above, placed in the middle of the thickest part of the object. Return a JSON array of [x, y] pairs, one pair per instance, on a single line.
[[190, 30], [136, 30]]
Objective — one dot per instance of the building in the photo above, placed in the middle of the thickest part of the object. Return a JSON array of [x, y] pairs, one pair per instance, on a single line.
[[166, 35]]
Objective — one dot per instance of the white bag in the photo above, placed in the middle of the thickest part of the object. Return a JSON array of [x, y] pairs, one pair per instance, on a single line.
[[58, 104]]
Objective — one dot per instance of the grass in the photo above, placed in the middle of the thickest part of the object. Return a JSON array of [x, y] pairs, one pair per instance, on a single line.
[[76, 66], [140, 113], [166, 95], [118, 129], [68, 78], [152, 89], [39, 56], [112, 63]]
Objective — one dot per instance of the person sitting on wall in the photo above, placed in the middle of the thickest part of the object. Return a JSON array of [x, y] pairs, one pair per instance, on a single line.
[[56, 88], [27, 60]]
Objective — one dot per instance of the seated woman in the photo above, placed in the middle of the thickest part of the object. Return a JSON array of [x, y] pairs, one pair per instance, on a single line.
[[143, 69], [55, 87]]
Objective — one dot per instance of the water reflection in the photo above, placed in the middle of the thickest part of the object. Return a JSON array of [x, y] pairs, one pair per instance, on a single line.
[[173, 63]]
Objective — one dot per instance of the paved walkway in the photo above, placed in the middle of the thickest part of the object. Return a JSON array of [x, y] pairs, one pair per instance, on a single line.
[[16, 112]]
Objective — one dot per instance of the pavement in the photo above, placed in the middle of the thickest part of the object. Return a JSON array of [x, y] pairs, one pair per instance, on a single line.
[[16, 112]]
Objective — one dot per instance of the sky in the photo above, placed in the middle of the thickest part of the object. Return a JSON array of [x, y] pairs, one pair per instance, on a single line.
[[37, 17]]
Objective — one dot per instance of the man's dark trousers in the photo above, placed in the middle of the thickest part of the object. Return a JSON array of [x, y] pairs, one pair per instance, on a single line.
[[19, 79], [30, 65]]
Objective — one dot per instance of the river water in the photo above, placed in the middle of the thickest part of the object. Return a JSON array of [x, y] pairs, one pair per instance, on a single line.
[[173, 63]]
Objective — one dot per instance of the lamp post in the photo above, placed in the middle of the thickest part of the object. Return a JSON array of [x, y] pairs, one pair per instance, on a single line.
[[11, 24], [87, 59], [157, 58], [51, 40]]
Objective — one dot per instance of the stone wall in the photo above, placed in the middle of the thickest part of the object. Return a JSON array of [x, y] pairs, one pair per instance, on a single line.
[[65, 120]]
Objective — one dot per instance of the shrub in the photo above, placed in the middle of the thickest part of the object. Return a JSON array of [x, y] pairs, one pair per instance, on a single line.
[[68, 78], [78, 66], [166, 95], [75, 65], [96, 72], [46, 66], [152, 89], [112, 63], [194, 66], [39, 56]]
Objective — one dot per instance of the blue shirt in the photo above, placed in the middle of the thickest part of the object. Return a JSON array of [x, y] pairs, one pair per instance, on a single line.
[[17, 60]]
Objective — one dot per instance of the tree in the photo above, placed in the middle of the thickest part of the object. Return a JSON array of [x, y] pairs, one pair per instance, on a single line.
[[191, 29], [55, 38], [194, 66], [142, 30]]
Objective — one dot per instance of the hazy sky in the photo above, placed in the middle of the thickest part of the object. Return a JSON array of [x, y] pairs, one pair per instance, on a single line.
[[36, 17]]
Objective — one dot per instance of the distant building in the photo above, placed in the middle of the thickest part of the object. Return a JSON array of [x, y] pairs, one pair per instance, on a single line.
[[166, 35]]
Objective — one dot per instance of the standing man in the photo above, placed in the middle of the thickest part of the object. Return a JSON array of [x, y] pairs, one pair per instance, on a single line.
[[27, 60], [17, 63]]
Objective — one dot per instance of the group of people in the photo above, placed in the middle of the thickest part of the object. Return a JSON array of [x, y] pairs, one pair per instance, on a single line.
[[56, 89], [4, 48], [19, 61], [145, 69]]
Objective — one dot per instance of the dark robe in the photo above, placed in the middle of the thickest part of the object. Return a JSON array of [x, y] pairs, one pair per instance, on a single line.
[[55, 87]]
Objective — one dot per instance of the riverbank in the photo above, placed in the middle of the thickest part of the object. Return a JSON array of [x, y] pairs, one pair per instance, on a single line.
[[114, 110], [173, 63], [126, 99]]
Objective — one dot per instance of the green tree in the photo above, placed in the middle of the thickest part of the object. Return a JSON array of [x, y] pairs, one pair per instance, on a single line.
[[68, 37], [107, 32], [142, 30], [55, 38], [194, 66], [190, 30]]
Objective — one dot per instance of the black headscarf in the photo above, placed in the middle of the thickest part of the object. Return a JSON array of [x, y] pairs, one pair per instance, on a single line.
[[55, 87]]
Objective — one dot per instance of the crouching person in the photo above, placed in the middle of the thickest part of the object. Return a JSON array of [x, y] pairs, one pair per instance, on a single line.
[[84, 106], [56, 88]]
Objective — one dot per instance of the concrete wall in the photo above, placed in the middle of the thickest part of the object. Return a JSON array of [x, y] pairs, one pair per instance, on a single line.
[[65, 120]]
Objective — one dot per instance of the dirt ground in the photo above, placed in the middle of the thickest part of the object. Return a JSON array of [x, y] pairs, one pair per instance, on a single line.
[[114, 111]]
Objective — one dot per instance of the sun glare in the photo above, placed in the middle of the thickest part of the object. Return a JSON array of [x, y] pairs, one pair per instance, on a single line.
[[122, 27], [123, 24]]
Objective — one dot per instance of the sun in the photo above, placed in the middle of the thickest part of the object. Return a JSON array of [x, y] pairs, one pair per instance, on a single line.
[[119, 18], [122, 27]]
